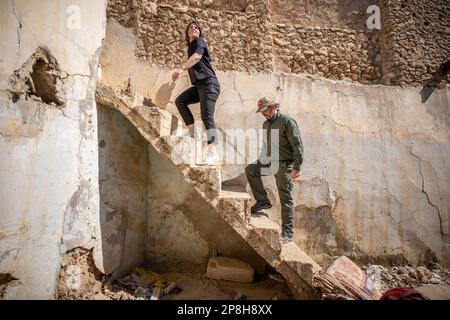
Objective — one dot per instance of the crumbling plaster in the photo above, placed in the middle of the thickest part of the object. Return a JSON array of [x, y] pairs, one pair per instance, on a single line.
[[49, 167]]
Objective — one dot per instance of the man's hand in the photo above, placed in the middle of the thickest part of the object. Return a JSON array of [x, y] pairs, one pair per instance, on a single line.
[[295, 174], [176, 74]]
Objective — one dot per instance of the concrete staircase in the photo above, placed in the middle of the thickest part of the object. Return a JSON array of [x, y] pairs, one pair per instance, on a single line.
[[162, 130]]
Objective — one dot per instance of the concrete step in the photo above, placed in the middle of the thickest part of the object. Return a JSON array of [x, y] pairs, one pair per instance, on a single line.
[[149, 118], [299, 261], [267, 230], [234, 204], [160, 122], [180, 150], [206, 180]]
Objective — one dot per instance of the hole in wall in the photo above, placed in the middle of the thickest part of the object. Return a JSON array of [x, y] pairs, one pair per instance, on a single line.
[[39, 77], [44, 81]]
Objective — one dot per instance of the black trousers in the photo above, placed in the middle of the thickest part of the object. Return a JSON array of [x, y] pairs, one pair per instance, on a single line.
[[206, 92]]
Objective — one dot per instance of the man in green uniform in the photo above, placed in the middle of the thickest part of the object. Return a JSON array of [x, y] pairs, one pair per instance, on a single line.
[[282, 156]]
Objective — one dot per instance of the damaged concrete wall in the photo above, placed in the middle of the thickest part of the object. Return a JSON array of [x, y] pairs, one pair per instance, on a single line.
[[375, 176], [48, 138], [123, 171], [379, 151]]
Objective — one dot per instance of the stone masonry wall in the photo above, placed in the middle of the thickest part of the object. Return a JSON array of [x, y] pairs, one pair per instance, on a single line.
[[321, 13], [230, 35], [328, 39], [225, 5], [417, 40], [333, 53]]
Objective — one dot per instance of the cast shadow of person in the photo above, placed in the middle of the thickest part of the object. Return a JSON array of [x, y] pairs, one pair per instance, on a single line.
[[164, 93], [435, 81]]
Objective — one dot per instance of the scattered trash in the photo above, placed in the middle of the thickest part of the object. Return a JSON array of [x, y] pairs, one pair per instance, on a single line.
[[346, 270], [153, 278], [238, 296], [335, 296], [147, 285], [156, 294], [345, 280], [169, 288], [407, 276], [148, 293], [276, 277]]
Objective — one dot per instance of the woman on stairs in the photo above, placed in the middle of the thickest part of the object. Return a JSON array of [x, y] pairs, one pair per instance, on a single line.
[[205, 89]]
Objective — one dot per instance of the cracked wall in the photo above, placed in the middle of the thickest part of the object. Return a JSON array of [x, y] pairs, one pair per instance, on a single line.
[[375, 156], [380, 150], [49, 163]]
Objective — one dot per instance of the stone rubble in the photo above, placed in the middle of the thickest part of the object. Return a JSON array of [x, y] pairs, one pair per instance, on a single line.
[[412, 276]]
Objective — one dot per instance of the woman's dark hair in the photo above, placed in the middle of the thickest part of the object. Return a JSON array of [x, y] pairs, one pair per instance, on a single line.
[[187, 29]]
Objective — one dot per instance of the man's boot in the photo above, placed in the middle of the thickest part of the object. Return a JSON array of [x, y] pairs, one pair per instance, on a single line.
[[260, 205]]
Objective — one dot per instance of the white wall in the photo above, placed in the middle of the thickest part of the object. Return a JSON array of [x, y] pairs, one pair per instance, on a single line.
[[49, 199]]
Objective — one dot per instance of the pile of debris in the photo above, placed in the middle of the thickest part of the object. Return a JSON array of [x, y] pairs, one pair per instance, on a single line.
[[344, 280], [79, 279], [147, 285], [407, 276]]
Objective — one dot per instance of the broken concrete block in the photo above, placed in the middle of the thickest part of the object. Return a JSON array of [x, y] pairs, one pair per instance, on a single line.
[[230, 269]]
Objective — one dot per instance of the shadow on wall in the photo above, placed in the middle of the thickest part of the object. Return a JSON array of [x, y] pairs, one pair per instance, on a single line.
[[435, 81], [123, 168], [163, 95]]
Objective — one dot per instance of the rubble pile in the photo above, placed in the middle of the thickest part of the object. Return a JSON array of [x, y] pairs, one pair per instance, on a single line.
[[385, 278], [344, 280]]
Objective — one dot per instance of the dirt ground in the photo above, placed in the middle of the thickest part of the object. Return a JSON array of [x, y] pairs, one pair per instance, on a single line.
[[80, 279], [198, 287]]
